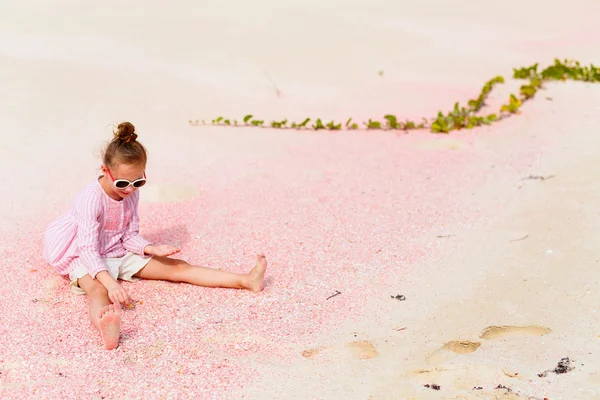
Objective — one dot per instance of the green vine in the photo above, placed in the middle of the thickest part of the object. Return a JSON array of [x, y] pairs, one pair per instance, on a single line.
[[460, 117]]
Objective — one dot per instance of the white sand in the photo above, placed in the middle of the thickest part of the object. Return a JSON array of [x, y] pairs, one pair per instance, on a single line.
[[530, 270]]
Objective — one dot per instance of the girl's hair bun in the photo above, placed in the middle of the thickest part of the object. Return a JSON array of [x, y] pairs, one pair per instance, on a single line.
[[125, 133], [124, 147]]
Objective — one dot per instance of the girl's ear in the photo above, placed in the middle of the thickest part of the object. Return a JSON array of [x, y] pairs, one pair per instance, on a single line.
[[104, 169]]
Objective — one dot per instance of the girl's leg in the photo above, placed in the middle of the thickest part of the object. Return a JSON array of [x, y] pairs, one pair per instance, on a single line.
[[106, 317], [174, 270]]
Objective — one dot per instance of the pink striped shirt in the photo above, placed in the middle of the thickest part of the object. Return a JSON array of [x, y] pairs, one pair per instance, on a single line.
[[96, 227]]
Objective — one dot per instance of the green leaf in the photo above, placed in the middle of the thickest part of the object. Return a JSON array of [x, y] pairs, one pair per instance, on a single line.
[[373, 124], [318, 124], [304, 123], [331, 125], [513, 105], [247, 118], [528, 91], [456, 110], [409, 125], [525, 72], [392, 121]]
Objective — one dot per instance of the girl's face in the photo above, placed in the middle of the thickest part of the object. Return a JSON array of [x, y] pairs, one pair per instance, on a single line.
[[123, 180]]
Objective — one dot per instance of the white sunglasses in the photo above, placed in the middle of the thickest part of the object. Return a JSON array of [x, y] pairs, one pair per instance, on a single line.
[[124, 183]]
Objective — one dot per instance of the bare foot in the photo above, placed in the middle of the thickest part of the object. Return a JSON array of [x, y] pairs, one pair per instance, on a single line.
[[109, 323], [257, 275]]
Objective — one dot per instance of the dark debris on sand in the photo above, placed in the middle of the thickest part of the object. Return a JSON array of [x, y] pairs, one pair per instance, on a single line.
[[337, 292], [564, 365], [433, 386], [538, 177]]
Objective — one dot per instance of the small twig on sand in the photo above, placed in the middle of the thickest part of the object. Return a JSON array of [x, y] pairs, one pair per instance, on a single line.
[[275, 87], [538, 177], [335, 294], [443, 236], [517, 240]]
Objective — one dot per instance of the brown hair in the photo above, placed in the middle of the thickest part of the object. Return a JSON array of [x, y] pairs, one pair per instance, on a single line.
[[123, 148]]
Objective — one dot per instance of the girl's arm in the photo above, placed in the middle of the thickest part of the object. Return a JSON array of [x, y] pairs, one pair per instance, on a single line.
[[116, 293], [87, 212], [131, 239]]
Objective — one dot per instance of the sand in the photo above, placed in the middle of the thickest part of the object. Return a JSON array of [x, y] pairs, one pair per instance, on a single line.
[[498, 272]]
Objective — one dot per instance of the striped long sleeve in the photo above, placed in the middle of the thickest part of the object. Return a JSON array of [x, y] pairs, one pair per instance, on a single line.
[[131, 239], [88, 213]]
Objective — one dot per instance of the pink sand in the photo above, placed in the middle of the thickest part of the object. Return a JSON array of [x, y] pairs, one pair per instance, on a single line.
[[354, 218], [348, 212]]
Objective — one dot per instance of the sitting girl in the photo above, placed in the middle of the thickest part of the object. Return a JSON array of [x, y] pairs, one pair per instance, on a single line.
[[97, 241]]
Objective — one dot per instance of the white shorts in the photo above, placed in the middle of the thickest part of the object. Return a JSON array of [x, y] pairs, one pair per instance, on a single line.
[[119, 268]]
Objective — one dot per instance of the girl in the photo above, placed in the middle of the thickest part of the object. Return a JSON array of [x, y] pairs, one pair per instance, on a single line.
[[97, 241]]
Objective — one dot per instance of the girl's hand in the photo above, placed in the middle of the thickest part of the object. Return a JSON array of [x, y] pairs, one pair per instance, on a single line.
[[163, 250], [117, 294]]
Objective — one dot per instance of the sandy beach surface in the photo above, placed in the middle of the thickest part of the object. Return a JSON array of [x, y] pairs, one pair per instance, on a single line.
[[401, 266]]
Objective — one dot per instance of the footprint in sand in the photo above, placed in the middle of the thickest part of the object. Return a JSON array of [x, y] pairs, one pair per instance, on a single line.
[[461, 347], [359, 349], [455, 348], [502, 332], [167, 193], [363, 349], [451, 350], [312, 353]]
